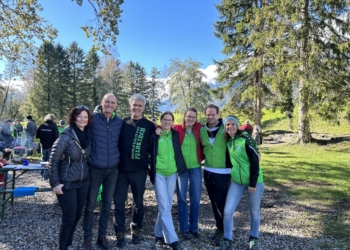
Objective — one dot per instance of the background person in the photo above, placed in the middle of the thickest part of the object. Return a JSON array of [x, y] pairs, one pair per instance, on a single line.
[[247, 127], [103, 165], [61, 126], [166, 162], [30, 132], [246, 175], [257, 133], [69, 177], [19, 129], [47, 133]]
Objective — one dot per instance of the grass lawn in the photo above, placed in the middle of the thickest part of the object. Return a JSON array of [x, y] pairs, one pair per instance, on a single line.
[[318, 178]]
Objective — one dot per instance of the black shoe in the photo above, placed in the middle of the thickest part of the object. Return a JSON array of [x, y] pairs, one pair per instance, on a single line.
[[185, 235], [196, 234], [226, 244], [160, 241], [175, 245], [103, 242], [121, 242], [213, 235], [135, 236], [216, 241], [87, 245]]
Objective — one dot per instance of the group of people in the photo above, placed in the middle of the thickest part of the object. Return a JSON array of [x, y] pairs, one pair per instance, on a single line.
[[100, 149]]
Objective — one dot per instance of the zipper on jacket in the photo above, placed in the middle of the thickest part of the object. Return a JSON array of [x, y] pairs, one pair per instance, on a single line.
[[82, 167], [68, 166]]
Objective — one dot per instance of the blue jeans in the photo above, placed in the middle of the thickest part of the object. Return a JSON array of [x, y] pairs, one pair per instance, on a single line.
[[194, 177], [45, 156], [108, 178], [164, 188], [234, 195]]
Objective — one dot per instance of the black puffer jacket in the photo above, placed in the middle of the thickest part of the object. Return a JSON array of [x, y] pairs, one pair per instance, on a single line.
[[180, 161], [73, 168]]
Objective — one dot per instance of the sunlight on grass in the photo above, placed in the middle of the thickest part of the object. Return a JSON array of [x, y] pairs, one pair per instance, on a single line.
[[278, 121], [316, 177]]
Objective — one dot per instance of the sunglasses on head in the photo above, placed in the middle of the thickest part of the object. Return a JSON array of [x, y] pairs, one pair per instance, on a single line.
[[82, 107]]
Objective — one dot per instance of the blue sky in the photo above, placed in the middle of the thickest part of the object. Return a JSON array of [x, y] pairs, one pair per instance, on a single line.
[[152, 31]]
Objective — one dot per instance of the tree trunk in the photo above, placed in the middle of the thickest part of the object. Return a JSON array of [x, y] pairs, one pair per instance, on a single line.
[[304, 135]]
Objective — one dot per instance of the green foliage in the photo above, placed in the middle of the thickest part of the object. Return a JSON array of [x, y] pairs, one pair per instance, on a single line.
[[302, 48], [21, 25], [187, 88]]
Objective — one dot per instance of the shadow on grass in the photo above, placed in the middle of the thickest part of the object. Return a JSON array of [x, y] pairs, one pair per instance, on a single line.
[[271, 122]]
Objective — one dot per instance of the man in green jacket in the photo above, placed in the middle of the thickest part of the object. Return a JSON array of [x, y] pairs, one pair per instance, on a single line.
[[61, 126], [217, 168]]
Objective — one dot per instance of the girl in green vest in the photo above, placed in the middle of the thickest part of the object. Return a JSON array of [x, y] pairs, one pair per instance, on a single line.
[[246, 175]]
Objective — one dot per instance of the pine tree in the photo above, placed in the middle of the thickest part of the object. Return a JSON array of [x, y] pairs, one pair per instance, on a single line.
[[62, 82], [242, 70], [135, 82], [187, 88], [112, 82], [42, 97], [310, 49], [76, 57], [90, 92], [157, 92]]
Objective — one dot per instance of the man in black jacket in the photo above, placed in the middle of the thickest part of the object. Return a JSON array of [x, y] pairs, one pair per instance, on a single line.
[[30, 132], [134, 150], [47, 133]]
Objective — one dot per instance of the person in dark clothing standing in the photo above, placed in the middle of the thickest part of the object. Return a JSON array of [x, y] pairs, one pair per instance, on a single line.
[[217, 168], [19, 129], [47, 133], [69, 177], [103, 164], [134, 149], [30, 132], [7, 133]]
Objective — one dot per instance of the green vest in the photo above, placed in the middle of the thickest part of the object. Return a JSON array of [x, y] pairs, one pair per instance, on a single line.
[[189, 151], [214, 154], [240, 172], [166, 164]]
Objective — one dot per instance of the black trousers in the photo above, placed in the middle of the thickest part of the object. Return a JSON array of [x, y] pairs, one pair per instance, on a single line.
[[217, 187], [136, 180], [72, 202]]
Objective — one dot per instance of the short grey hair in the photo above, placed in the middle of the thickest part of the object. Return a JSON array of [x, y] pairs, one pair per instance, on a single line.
[[137, 97], [49, 117]]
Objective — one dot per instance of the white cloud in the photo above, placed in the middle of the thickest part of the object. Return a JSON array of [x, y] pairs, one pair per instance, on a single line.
[[211, 74]]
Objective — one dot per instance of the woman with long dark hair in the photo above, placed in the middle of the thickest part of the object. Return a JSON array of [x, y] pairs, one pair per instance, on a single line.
[[69, 172]]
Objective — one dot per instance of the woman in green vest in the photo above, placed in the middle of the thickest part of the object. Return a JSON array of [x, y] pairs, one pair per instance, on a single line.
[[246, 175]]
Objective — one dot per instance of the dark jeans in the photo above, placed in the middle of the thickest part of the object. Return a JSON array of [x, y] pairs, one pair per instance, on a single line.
[[217, 187], [136, 179], [45, 156], [108, 179], [72, 202]]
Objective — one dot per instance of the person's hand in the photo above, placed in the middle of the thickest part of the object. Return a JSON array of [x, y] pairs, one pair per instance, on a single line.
[[63, 156], [158, 131], [251, 190], [58, 189]]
